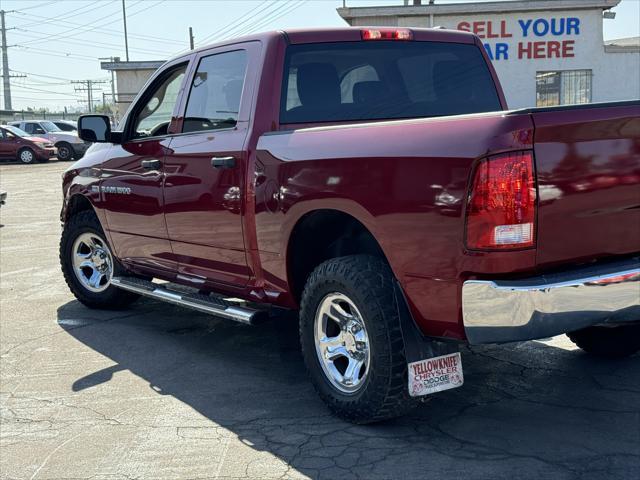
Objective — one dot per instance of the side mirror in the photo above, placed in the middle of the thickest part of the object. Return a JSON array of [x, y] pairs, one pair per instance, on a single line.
[[94, 128]]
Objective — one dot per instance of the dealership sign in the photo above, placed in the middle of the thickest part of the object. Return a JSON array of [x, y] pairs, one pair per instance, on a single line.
[[539, 37]]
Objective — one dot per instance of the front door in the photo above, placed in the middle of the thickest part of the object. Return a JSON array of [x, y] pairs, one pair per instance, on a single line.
[[205, 170], [133, 175]]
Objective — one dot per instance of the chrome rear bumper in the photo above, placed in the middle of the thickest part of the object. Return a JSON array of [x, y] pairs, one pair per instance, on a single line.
[[548, 305]]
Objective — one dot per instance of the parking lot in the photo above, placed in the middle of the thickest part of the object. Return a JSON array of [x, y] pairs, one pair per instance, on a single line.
[[161, 392]]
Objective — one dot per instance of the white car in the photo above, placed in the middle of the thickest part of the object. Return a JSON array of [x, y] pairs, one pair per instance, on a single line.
[[69, 145]]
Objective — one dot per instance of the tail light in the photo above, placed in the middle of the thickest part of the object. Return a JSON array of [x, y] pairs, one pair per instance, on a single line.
[[387, 34], [501, 210]]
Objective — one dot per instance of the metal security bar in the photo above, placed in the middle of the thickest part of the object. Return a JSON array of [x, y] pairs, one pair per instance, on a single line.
[[565, 87]]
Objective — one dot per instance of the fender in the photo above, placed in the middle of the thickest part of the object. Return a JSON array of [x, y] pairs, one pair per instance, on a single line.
[[83, 179]]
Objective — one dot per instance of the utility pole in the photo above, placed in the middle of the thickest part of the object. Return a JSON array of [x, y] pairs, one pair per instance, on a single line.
[[5, 66], [113, 80], [6, 74], [88, 86], [191, 37], [126, 40]]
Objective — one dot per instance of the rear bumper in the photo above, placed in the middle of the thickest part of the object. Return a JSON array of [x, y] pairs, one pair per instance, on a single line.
[[548, 305]]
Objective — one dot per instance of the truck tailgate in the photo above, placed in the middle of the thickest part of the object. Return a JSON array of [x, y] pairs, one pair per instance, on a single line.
[[588, 166]]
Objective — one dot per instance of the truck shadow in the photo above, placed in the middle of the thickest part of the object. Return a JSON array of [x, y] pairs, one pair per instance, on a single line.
[[526, 409]]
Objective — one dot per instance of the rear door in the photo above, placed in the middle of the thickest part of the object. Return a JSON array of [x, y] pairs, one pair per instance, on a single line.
[[205, 168], [133, 175], [588, 165]]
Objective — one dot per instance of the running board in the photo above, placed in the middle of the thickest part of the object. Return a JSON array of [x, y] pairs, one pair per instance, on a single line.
[[213, 305]]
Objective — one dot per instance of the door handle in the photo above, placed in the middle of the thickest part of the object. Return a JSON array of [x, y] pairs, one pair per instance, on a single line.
[[223, 162], [153, 164]]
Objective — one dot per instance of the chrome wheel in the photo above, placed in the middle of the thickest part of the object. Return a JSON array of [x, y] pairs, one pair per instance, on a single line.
[[342, 343], [27, 156], [92, 262]]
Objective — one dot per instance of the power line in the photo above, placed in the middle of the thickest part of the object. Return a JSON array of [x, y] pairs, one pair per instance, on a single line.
[[41, 75], [95, 27], [62, 16], [275, 15], [88, 86], [44, 91], [105, 31], [40, 5], [91, 43], [39, 51], [234, 24]]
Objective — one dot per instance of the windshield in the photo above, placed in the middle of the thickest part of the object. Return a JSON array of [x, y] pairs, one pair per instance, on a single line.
[[15, 130], [329, 82], [50, 127]]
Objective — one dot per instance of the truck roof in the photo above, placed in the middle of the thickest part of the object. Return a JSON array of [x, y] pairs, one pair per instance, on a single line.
[[340, 34]]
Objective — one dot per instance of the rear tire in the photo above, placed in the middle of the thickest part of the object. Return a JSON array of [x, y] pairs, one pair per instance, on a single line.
[[613, 342], [362, 286], [27, 156], [88, 265]]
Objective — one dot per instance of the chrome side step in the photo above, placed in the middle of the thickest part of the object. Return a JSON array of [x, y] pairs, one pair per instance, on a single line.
[[210, 304]]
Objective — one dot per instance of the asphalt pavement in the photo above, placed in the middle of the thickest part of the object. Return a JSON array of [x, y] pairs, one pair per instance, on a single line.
[[158, 392]]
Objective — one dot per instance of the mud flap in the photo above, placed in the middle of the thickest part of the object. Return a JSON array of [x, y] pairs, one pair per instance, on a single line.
[[432, 365]]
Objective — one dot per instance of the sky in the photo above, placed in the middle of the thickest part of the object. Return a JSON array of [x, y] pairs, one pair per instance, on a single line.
[[56, 42]]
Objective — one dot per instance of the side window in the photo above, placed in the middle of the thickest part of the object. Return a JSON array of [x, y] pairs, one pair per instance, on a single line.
[[214, 98], [32, 128], [154, 118]]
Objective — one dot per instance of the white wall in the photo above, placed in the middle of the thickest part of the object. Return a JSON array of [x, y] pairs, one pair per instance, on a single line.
[[129, 83]]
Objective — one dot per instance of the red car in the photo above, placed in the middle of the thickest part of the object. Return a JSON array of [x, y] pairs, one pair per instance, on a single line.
[[374, 181], [18, 144]]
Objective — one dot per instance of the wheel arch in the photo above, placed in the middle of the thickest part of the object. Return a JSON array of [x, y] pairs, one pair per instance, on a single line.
[[74, 204], [320, 235]]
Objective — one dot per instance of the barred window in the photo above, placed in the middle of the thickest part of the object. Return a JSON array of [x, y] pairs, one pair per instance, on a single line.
[[563, 87]]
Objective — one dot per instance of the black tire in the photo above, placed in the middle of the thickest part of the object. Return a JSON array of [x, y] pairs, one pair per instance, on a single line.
[[368, 282], [65, 152], [112, 298], [27, 156], [613, 342]]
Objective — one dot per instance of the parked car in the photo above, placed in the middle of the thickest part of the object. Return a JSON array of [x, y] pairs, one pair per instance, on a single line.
[[68, 144], [66, 125], [374, 181], [3, 197], [18, 144]]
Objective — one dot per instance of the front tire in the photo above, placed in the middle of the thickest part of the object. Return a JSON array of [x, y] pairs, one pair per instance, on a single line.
[[351, 339], [27, 156], [608, 341], [88, 265], [65, 152]]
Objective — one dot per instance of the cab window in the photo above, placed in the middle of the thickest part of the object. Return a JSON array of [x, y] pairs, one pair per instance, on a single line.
[[32, 127], [153, 118], [215, 93]]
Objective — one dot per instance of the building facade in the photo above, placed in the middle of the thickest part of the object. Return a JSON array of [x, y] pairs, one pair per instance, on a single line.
[[546, 52], [130, 77]]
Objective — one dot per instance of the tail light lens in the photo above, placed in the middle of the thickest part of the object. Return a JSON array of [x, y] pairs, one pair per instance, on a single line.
[[501, 211], [387, 34]]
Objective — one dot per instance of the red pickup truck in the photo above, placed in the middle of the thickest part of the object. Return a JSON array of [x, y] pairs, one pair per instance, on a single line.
[[375, 181]]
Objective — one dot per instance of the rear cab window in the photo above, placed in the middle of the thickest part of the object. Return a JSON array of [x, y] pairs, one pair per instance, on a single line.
[[348, 81]]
